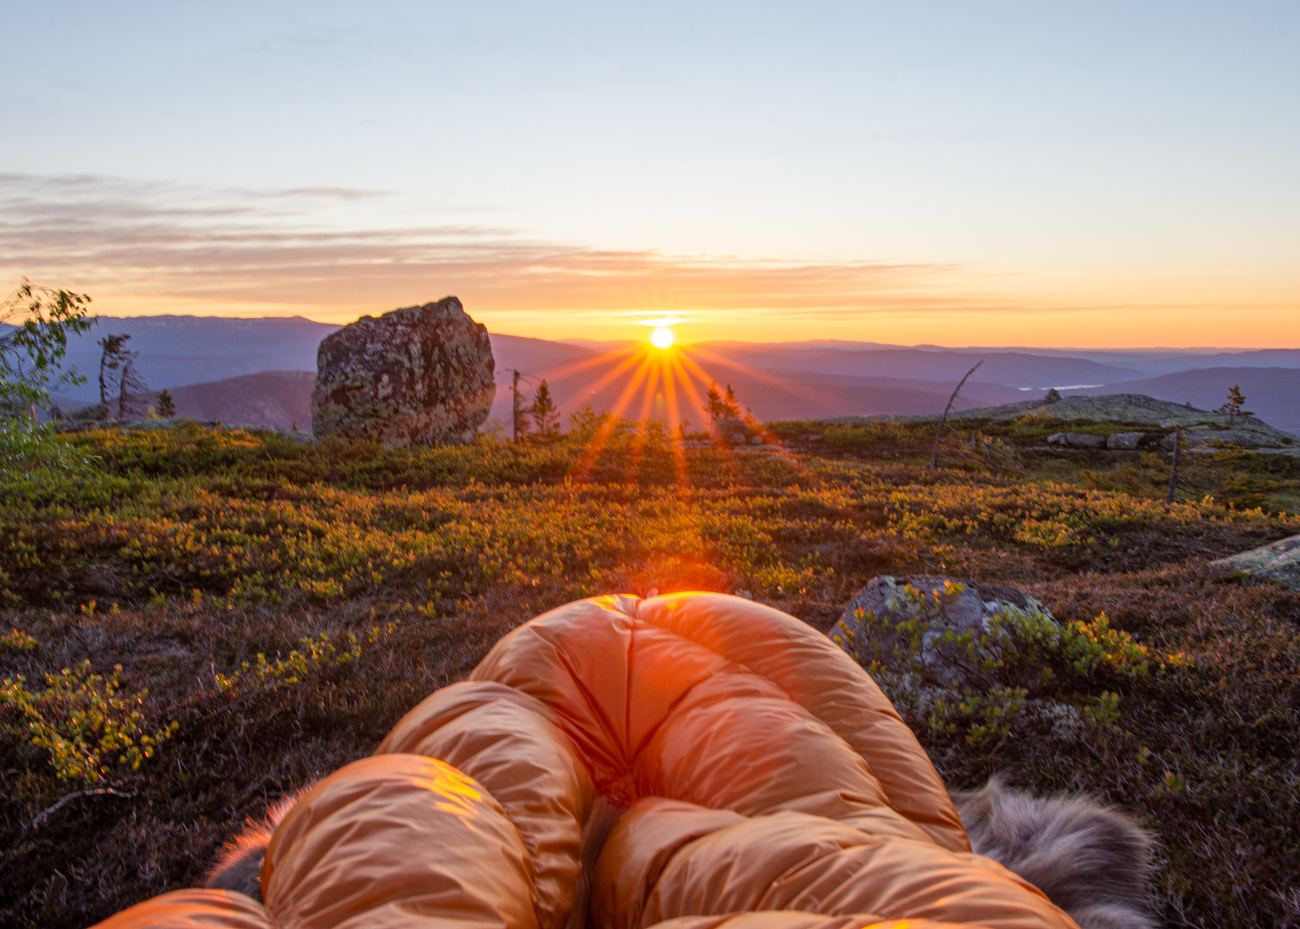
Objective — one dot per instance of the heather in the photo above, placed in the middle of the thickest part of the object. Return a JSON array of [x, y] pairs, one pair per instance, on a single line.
[[198, 621]]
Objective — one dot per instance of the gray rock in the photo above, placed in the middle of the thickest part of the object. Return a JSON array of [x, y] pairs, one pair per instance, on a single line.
[[1076, 440], [1279, 561], [931, 605], [1137, 409], [92, 413], [1246, 434], [1126, 441], [423, 375], [732, 431]]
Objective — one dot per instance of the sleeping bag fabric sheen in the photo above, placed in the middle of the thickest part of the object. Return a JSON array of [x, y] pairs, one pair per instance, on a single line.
[[754, 777]]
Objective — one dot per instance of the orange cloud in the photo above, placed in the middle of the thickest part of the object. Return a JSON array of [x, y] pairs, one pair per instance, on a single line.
[[142, 248]]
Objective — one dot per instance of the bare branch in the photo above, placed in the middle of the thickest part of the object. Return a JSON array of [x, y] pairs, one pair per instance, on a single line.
[[98, 791], [934, 454]]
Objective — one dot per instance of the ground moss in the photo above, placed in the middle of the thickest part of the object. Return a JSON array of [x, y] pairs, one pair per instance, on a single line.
[[364, 579]]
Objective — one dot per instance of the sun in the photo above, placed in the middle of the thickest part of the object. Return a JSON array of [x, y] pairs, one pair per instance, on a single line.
[[662, 337]]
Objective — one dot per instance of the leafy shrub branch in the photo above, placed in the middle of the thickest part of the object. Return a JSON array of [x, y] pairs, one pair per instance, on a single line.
[[977, 683], [93, 733], [312, 656]]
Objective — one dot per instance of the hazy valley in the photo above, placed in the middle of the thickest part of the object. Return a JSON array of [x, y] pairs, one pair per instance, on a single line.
[[242, 371]]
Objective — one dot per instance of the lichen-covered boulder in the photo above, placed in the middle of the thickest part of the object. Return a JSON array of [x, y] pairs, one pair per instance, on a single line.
[[1077, 440], [423, 375], [1279, 561], [735, 432], [1124, 441], [947, 625]]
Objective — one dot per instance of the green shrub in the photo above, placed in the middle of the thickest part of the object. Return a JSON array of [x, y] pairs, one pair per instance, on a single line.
[[311, 656], [978, 683], [91, 731], [35, 461]]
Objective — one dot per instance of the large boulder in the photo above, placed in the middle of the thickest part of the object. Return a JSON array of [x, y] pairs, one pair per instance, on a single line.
[[423, 375], [1279, 561], [939, 621]]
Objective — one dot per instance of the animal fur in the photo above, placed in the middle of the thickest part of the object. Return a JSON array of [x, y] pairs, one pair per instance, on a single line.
[[1091, 860], [240, 866]]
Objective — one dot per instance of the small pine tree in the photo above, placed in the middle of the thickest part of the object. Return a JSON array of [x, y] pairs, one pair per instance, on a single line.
[[1233, 408], [715, 407], [111, 360], [722, 405], [166, 406], [543, 412], [731, 403], [132, 391]]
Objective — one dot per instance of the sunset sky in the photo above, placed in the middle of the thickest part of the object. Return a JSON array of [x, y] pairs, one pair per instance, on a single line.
[[1042, 174]]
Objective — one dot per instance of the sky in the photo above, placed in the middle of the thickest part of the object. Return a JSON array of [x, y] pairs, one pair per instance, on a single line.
[[1103, 174]]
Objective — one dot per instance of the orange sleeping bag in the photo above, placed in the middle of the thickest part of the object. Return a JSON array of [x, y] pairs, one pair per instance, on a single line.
[[768, 784]]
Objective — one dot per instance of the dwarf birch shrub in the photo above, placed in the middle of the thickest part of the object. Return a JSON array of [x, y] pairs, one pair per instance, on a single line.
[[979, 682], [312, 656], [93, 733]]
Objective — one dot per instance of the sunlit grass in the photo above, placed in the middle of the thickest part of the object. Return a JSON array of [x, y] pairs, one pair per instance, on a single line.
[[366, 578]]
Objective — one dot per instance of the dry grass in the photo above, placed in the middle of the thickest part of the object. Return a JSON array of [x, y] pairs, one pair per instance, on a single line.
[[200, 550]]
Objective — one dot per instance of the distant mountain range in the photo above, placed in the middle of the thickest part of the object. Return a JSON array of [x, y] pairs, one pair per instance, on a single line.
[[252, 370], [269, 398], [179, 350]]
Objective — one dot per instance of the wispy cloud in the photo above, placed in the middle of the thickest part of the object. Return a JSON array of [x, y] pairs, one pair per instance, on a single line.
[[286, 247]]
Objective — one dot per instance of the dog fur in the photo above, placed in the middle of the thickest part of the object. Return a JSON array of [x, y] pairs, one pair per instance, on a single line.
[[239, 867], [1090, 860]]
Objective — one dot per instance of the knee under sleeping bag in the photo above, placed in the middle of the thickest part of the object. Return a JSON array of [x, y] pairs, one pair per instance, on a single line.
[[760, 777]]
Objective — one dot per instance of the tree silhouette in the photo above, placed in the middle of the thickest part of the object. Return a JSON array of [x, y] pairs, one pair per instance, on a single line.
[[731, 403], [721, 405], [132, 391], [166, 405], [1233, 408], [111, 359], [715, 409], [545, 415], [122, 390]]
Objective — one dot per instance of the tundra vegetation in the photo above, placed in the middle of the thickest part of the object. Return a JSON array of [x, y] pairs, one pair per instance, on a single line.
[[199, 621]]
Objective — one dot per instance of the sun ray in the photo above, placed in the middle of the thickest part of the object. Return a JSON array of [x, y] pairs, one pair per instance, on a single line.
[[689, 386], [576, 367], [808, 392], [643, 422], [671, 370], [591, 453]]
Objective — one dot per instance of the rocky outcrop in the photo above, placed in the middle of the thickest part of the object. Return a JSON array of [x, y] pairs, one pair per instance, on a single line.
[[1120, 441], [1202, 430], [1279, 561], [735, 432], [1077, 440], [937, 619], [423, 375], [1246, 434], [1124, 441]]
